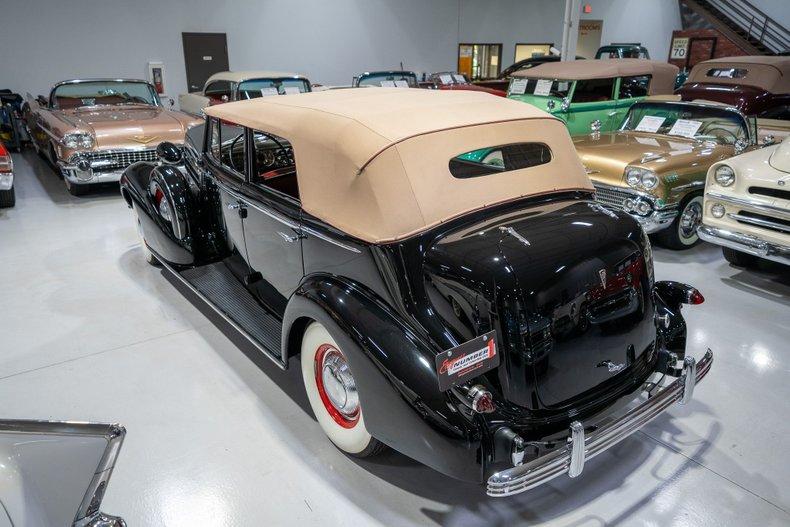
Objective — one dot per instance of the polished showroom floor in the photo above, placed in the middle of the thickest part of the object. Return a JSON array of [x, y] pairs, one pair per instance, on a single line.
[[88, 331]]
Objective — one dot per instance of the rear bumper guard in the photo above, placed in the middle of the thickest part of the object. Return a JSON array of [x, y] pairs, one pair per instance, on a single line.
[[582, 446]]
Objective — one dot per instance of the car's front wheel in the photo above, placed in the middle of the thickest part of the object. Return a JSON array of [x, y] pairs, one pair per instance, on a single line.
[[738, 258], [332, 392], [7, 198], [74, 188], [682, 233]]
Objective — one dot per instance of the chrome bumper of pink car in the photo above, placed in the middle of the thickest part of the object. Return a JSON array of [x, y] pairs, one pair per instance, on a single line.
[[581, 447], [746, 243]]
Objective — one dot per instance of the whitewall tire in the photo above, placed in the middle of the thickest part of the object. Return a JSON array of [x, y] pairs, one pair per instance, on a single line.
[[331, 391]]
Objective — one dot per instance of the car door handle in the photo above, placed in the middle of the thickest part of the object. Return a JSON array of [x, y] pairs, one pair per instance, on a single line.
[[612, 114], [290, 238], [235, 206]]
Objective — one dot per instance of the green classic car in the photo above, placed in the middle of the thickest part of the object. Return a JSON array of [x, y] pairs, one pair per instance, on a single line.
[[591, 95]]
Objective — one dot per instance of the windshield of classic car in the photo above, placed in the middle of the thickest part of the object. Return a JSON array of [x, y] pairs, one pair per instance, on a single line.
[[250, 89], [540, 87], [389, 80], [96, 93], [703, 123]]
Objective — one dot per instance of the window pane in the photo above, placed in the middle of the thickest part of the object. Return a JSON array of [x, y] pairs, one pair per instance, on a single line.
[[727, 73], [593, 90], [634, 86], [498, 159], [254, 88], [275, 167], [232, 146]]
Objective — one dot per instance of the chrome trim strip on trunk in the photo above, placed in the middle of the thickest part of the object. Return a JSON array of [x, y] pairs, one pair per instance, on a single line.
[[569, 459]]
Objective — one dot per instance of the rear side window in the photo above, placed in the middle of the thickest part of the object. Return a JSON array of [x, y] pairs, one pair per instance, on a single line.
[[593, 90], [498, 159], [275, 167], [634, 86], [727, 73]]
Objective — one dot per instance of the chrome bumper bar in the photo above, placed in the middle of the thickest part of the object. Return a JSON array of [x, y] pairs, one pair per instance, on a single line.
[[6, 180], [658, 220], [746, 243], [581, 447]]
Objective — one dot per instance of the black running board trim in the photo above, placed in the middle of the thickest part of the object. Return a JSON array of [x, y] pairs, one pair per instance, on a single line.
[[171, 273]]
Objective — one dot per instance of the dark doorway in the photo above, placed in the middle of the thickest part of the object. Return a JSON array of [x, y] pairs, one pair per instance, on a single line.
[[204, 55]]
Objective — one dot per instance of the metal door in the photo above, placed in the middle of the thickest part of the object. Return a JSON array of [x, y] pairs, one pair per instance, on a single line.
[[204, 55]]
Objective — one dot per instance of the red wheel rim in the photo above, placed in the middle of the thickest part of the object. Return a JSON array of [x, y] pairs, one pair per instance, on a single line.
[[340, 418]]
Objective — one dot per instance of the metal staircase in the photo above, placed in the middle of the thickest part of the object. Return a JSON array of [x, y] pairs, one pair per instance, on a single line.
[[739, 20]]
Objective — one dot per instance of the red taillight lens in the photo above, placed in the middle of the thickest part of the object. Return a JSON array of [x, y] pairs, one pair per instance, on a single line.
[[6, 163], [695, 297]]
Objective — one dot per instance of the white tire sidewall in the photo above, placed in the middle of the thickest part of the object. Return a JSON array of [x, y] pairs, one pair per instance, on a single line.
[[351, 440], [688, 242], [147, 254]]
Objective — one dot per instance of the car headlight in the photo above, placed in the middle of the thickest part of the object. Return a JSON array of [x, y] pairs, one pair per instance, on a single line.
[[724, 175], [78, 140], [641, 178]]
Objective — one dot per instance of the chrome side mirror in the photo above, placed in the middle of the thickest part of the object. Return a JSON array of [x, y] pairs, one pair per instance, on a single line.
[[566, 103], [768, 140], [741, 145]]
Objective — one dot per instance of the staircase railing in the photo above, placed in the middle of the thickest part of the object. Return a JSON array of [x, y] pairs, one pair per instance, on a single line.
[[758, 25]]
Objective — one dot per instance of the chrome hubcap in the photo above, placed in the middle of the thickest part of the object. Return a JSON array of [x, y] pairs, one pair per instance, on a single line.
[[690, 219], [341, 390]]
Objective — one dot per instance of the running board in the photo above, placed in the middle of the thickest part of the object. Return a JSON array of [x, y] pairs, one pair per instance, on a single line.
[[214, 286]]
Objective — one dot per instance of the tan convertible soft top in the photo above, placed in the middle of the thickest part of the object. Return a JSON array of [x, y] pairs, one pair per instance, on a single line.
[[663, 73], [769, 73], [375, 163]]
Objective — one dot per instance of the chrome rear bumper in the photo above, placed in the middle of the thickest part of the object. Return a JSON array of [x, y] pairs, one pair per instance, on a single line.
[[746, 243], [570, 459]]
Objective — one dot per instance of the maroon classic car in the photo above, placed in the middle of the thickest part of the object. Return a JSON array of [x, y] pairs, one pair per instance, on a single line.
[[452, 80], [757, 85]]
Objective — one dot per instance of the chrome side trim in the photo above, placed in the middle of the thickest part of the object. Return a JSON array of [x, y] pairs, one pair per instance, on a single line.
[[746, 243], [221, 313], [560, 461], [756, 205], [759, 222], [313, 232], [688, 186]]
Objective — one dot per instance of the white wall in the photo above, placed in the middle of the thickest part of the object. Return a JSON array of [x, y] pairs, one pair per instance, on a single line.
[[779, 10], [43, 41]]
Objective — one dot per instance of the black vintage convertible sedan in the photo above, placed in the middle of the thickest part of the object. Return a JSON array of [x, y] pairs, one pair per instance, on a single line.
[[436, 262]]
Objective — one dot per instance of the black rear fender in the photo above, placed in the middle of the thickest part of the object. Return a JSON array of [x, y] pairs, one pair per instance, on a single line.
[[395, 375]]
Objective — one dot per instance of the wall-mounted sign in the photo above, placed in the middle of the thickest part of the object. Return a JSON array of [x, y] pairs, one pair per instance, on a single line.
[[680, 48]]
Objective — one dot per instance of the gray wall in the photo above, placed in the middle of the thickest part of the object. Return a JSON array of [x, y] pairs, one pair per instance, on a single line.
[[44, 41]]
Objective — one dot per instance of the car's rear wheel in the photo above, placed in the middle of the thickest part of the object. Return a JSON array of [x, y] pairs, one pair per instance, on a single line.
[[738, 258], [332, 392], [682, 233]]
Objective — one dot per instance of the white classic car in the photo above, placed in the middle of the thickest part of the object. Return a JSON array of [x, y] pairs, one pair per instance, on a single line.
[[228, 86], [747, 206], [56, 472]]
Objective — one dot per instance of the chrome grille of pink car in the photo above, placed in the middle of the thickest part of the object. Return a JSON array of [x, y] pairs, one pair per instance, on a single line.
[[115, 159]]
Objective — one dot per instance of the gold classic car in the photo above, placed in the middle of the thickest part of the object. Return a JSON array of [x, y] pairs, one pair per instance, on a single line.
[[654, 166], [91, 130], [747, 206]]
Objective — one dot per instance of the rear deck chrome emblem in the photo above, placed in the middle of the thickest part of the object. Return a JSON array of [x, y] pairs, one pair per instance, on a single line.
[[611, 366]]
